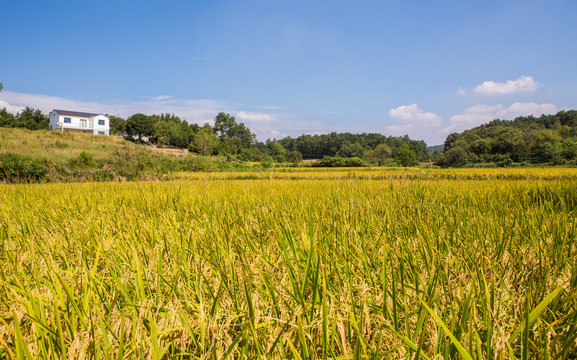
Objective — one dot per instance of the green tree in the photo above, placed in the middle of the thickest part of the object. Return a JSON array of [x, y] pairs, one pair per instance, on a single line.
[[223, 124], [166, 131], [350, 150], [6, 118], [32, 119], [455, 157], [233, 136], [546, 147], [295, 157], [569, 151], [277, 149], [405, 156], [140, 125], [117, 124], [203, 142], [380, 155]]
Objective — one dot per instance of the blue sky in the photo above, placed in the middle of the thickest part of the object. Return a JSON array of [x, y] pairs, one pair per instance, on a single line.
[[422, 68]]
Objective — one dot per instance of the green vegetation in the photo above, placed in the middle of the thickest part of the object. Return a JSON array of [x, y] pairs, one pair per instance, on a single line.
[[547, 140], [423, 265], [29, 118], [52, 156], [355, 145], [525, 141], [232, 139], [337, 161]]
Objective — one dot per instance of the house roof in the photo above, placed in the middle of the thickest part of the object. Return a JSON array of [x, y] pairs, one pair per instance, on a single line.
[[75, 113]]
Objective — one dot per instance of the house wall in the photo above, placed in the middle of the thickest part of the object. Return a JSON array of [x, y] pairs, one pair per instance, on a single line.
[[92, 126], [53, 121], [101, 129]]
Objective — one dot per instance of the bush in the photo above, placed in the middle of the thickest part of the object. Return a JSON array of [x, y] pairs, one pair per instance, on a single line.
[[16, 168], [337, 161], [86, 158]]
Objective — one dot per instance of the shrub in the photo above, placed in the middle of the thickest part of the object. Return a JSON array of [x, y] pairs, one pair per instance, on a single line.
[[86, 158], [16, 168], [337, 161]]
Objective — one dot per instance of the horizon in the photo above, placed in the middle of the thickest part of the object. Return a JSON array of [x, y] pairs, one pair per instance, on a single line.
[[420, 69]]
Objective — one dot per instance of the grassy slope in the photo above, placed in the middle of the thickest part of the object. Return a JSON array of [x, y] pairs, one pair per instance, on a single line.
[[110, 157], [61, 147]]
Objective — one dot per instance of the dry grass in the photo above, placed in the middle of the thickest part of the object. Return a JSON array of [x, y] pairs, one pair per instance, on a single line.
[[61, 146]]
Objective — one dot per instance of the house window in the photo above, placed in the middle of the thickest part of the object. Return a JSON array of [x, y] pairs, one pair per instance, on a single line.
[[83, 122], [67, 121], [101, 122], [101, 133]]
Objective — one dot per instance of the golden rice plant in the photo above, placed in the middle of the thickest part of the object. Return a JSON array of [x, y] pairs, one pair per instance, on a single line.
[[476, 266]]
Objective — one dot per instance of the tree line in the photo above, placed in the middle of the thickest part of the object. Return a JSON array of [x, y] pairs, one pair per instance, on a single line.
[[233, 139], [548, 139], [371, 147], [29, 118], [230, 138]]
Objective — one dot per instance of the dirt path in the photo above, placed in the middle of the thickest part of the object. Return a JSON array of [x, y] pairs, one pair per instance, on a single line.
[[175, 152]]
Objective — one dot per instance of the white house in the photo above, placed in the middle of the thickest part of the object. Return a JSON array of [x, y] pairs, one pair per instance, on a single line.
[[75, 121]]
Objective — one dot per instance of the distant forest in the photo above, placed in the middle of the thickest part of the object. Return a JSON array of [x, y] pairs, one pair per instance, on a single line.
[[548, 139], [351, 145]]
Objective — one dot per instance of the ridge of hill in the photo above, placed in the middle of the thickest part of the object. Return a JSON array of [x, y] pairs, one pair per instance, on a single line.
[[526, 140]]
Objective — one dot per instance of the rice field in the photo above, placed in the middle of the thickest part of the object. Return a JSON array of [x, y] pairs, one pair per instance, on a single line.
[[311, 264]]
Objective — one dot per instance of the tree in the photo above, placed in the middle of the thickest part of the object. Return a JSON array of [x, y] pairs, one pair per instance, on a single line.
[[380, 155], [1, 87], [233, 136], [405, 156], [6, 118], [117, 124], [204, 142], [456, 156], [223, 123], [350, 150], [32, 119], [295, 157], [165, 132], [277, 149], [546, 147], [140, 125]]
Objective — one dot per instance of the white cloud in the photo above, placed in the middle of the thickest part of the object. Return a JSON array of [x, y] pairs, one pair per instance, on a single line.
[[522, 84], [414, 115], [13, 109], [462, 91], [158, 98], [481, 114], [254, 117], [415, 122]]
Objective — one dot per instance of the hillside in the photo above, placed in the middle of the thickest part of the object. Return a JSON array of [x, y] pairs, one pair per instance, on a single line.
[[41, 155], [435, 148], [546, 140]]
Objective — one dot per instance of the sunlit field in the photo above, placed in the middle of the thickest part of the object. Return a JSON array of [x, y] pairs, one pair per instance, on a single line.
[[384, 173], [301, 264]]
